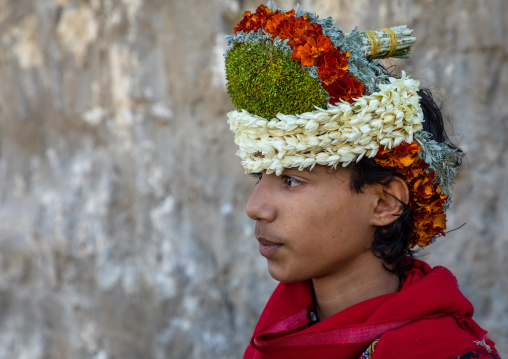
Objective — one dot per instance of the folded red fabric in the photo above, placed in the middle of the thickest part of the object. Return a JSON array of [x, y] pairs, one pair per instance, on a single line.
[[427, 318]]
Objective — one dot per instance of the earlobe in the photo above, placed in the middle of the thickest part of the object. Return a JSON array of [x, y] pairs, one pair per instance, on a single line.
[[391, 202]]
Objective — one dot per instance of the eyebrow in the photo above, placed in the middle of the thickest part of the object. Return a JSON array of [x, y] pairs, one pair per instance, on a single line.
[[296, 171]]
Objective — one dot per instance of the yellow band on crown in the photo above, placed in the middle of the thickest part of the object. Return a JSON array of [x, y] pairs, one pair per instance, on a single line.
[[393, 41], [375, 43]]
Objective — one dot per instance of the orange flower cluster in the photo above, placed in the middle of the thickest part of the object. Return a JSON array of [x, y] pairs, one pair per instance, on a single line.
[[426, 201], [310, 46]]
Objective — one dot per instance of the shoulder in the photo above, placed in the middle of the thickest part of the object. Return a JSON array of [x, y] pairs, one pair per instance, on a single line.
[[439, 337]]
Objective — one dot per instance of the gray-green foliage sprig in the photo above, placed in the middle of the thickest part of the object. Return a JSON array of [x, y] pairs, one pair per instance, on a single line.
[[368, 72], [298, 12], [256, 37], [442, 158]]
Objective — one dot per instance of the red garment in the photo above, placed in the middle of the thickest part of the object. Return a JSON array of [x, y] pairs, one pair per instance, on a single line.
[[428, 318]]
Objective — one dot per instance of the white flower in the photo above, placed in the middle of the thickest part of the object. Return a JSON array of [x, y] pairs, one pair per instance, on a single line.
[[312, 126], [365, 128], [322, 158]]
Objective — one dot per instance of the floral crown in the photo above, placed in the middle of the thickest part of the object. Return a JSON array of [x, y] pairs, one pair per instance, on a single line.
[[309, 94]]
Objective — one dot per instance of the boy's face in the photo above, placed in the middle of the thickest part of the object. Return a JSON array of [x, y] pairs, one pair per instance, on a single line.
[[310, 225]]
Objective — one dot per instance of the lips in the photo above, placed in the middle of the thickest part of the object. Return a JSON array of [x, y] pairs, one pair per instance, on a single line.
[[267, 248]]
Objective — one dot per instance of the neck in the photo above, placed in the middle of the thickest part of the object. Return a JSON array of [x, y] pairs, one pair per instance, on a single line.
[[352, 285]]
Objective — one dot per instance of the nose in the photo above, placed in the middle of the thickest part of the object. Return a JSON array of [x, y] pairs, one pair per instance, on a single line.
[[260, 205]]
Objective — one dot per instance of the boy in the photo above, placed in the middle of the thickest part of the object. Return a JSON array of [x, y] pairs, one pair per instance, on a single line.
[[354, 171]]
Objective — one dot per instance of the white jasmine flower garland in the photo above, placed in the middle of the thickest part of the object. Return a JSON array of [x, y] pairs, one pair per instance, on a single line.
[[340, 134]]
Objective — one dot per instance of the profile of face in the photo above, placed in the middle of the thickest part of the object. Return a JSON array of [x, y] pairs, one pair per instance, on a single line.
[[311, 225]]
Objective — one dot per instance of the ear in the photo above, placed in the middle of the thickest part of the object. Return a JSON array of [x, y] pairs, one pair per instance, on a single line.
[[389, 205]]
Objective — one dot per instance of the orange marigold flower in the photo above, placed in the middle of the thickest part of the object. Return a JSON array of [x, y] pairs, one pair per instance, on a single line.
[[298, 30], [306, 54], [427, 226], [404, 155], [246, 23], [440, 223], [332, 66], [285, 28], [313, 30], [253, 22], [423, 186], [417, 168], [426, 200], [346, 88], [272, 25], [309, 53], [263, 10], [324, 44]]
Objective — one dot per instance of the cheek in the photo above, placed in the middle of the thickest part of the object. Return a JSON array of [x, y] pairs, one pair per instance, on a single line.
[[340, 219]]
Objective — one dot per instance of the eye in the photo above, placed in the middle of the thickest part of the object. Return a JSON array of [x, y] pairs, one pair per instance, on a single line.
[[256, 176], [291, 182]]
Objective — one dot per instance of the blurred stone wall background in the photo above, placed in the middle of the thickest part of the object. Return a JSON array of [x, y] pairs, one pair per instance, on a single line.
[[122, 225]]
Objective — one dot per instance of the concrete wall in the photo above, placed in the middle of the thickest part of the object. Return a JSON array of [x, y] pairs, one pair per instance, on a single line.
[[122, 225]]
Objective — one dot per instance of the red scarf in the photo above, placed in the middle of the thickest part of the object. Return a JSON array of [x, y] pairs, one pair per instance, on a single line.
[[428, 318]]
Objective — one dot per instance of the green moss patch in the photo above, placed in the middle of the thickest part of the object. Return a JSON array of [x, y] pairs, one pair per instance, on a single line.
[[265, 81]]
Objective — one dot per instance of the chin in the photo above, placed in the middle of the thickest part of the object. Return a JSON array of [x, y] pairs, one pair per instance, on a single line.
[[283, 276]]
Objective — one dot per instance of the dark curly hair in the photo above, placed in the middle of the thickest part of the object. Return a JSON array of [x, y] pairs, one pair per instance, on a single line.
[[391, 242]]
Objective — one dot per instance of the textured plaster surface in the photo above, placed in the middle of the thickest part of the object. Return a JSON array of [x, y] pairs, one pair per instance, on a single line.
[[122, 225]]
